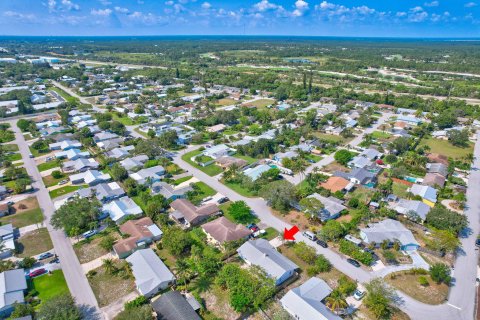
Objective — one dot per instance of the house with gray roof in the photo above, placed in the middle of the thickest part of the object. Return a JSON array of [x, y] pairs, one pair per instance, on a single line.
[[390, 230], [119, 152], [407, 207], [151, 274], [332, 207], [255, 172], [104, 192], [120, 209], [80, 165], [439, 168], [90, 177], [13, 286], [358, 176], [7, 238], [306, 301], [262, 254], [65, 145], [72, 154], [278, 157], [170, 192], [428, 194], [218, 151], [173, 305], [134, 163], [104, 136], [150, 175]]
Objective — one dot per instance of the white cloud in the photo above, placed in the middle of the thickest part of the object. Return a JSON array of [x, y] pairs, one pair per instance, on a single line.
[[101, 12], [301, 7], [146, 18], [265, 5], [432, 4], [206, 5], [470, 4], [51, 4], [69, 5], [121, 10], [21, 16], [325, 5], [417, 14], [105, 2]]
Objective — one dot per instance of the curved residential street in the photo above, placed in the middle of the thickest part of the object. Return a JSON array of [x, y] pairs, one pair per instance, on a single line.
[[461, 302]]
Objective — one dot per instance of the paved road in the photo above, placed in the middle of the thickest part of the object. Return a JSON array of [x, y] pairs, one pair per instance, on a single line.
[[296, 179], [461, 301], [76, 279], [75, 95]]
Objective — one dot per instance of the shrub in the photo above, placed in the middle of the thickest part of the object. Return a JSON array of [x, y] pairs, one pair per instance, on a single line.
[[322, 263], [305, 252], [423, 281], [57, 174], [440, 272], [350, 249], [346, 286]]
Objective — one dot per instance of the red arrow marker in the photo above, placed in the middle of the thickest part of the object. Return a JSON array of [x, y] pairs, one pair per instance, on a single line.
[[288, 234]]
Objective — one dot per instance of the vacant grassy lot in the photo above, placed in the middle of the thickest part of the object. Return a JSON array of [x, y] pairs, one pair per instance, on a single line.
[[409, 284], [240, 189], [261, 103], [13, 157], [33, 243], [51, 181], [211, 170], [88, 250], [224, 207], [109, 287], [362, 194], [51, 285], [38, 153], [181, 180], [446, 148], [24, 213], [10, 147], [225, 102], [249, 159], [64, 190], [380, 135], [400, 190], [329, 137], [203, 191]]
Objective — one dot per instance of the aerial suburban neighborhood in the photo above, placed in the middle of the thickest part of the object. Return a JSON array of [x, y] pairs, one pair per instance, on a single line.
[[184, 179]]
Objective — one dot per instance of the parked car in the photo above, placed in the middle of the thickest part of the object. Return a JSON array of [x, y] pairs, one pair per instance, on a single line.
[[253, 227], [353, 262], [322, 243], [31, 155], [309, 235], [62, 182], [45, 255], [89, 234], [36, 273], [223, 200], [358, 294], [477, 242]]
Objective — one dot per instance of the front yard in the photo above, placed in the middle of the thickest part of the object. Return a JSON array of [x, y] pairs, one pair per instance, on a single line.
[[88, 250], [25, 213], [108, 286], [211, 170], [49, 286], [409, 283], [34, 243], [446, 148], [63, 190]]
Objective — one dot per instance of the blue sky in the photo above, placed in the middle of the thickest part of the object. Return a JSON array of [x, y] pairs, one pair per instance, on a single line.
[[371, 18]]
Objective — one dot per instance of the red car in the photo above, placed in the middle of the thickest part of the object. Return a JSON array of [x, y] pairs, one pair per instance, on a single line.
[[36, 273]]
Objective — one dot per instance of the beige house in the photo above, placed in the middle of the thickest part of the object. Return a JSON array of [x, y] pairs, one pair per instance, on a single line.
[[222, 230]]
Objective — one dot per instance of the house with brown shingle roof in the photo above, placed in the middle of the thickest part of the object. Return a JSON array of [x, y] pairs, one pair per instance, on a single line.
[[142, 232], [227, 162], [188, 215], [434, 179], [222, 230], [335, 184]]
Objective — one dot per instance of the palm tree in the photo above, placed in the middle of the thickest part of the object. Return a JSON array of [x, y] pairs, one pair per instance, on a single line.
[[182, 269], [109, 266], [336, 301]]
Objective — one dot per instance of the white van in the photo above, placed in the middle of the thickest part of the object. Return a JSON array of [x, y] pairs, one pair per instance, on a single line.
[[309, 235]]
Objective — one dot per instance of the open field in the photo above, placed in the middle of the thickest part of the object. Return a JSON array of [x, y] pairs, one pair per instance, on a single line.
[[446, 148], [50, 285], [211, 170], [34, 242], [24, 213]]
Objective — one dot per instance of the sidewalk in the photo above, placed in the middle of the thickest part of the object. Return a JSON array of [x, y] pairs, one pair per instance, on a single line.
[[94, 264], [30, 228]]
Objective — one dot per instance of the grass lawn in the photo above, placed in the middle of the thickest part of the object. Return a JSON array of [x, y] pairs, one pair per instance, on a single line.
[[38, 153], [313, 157], [32, 214], [63, 94], [140, 132], [173, 169], [48, 165], [33, 243], [249, 160], [11, 147], [64, 190], [28, 136], [88, 250], [400, 190], [50, 181], [329, 137], [380, 135], [446, 148], [49, 286], [203, 192], [269, 234], [240, 189], [225, 102], [362, 194], [409, 284], [261, 103], [125, 120], [211, 170], [167, 258], [109, 287], [181, 180], [14, 157]]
